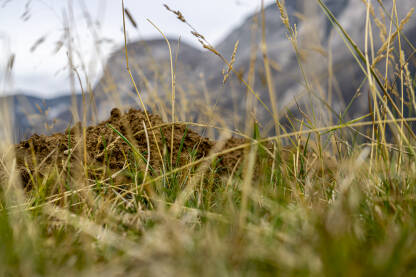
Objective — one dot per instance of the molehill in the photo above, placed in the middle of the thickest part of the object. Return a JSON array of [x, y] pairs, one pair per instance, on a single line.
[[103, 151]]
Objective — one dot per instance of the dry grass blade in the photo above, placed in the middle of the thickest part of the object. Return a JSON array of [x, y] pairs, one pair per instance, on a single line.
[[246, 187], [362, 58], [206, 45], [230, 67], [135, 86], [37, 43], [286, 135], [101, 234], [270, 83], [177, 13], [173, 95], [10, 62], [148, 156], [131, 18]]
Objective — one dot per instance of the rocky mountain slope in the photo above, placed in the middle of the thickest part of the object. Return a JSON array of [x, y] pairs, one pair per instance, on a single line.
[[330, 71]]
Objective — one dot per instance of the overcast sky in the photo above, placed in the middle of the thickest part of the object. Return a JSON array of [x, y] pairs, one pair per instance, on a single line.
[[41, 71]]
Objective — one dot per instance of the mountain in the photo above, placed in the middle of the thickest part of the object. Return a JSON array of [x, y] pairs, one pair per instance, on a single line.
[[328, 70], [43, 116], [150, 65]]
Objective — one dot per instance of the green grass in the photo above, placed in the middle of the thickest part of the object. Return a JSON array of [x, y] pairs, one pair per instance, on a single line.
[[295, 224], [327, 207]]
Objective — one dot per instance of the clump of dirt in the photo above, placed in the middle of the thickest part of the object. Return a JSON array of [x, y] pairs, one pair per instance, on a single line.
[[103, 150]]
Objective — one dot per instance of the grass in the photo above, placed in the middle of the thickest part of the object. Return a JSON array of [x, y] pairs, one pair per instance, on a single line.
[[324, 206]]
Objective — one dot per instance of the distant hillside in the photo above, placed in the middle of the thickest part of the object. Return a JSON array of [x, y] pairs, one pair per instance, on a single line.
[[36, 115]]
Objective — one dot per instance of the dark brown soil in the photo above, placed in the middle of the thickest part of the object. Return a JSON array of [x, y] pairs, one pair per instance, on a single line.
[[106, 152]]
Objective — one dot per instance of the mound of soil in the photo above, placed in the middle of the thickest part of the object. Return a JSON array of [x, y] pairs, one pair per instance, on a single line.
[[102, 149]]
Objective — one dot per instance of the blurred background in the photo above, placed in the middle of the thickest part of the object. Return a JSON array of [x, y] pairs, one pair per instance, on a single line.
[[64, 61], [34, 30]]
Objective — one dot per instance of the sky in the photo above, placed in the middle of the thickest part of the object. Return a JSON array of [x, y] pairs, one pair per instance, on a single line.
[[32, 31]]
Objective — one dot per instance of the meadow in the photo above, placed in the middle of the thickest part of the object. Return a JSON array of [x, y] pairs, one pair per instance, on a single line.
[[141, 195]]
